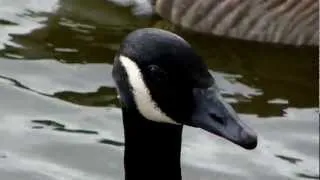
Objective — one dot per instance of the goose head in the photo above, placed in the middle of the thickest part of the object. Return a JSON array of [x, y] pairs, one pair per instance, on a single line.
[[160, 76]]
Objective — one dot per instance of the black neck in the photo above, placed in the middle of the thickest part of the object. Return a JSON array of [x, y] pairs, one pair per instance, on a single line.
[[152, 150]]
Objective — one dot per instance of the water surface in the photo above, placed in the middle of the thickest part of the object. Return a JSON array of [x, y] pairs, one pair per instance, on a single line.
[[59, 118]]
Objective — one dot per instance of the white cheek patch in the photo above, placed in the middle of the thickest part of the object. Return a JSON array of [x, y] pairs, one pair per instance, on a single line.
[[145, 104]]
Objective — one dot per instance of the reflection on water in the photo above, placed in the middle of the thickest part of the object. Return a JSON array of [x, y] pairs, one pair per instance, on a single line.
[[111, 142], [307, 176], [60, 118], [104, 96], [289, 159], [60, 127]]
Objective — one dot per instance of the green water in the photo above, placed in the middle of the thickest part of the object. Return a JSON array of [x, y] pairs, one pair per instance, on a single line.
[[59, 118]]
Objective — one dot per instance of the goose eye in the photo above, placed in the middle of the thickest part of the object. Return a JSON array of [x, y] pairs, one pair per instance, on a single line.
[[153, 68], [157, 73]]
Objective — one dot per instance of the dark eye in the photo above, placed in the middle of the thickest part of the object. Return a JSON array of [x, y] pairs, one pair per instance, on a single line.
[[154, 68], [157, 73]]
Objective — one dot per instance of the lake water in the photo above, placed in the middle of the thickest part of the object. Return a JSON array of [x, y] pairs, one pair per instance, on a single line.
[[59, 118]]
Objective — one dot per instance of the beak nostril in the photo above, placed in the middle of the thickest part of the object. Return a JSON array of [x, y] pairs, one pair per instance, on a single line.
[[216, 118]]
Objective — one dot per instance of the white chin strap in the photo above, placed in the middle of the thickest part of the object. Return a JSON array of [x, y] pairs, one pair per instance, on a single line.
[[144, 102]]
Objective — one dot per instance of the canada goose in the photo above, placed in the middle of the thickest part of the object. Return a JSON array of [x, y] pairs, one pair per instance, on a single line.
[[163, 84]]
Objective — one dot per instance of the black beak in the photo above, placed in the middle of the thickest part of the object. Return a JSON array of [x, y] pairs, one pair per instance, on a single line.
[[213, 114]]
